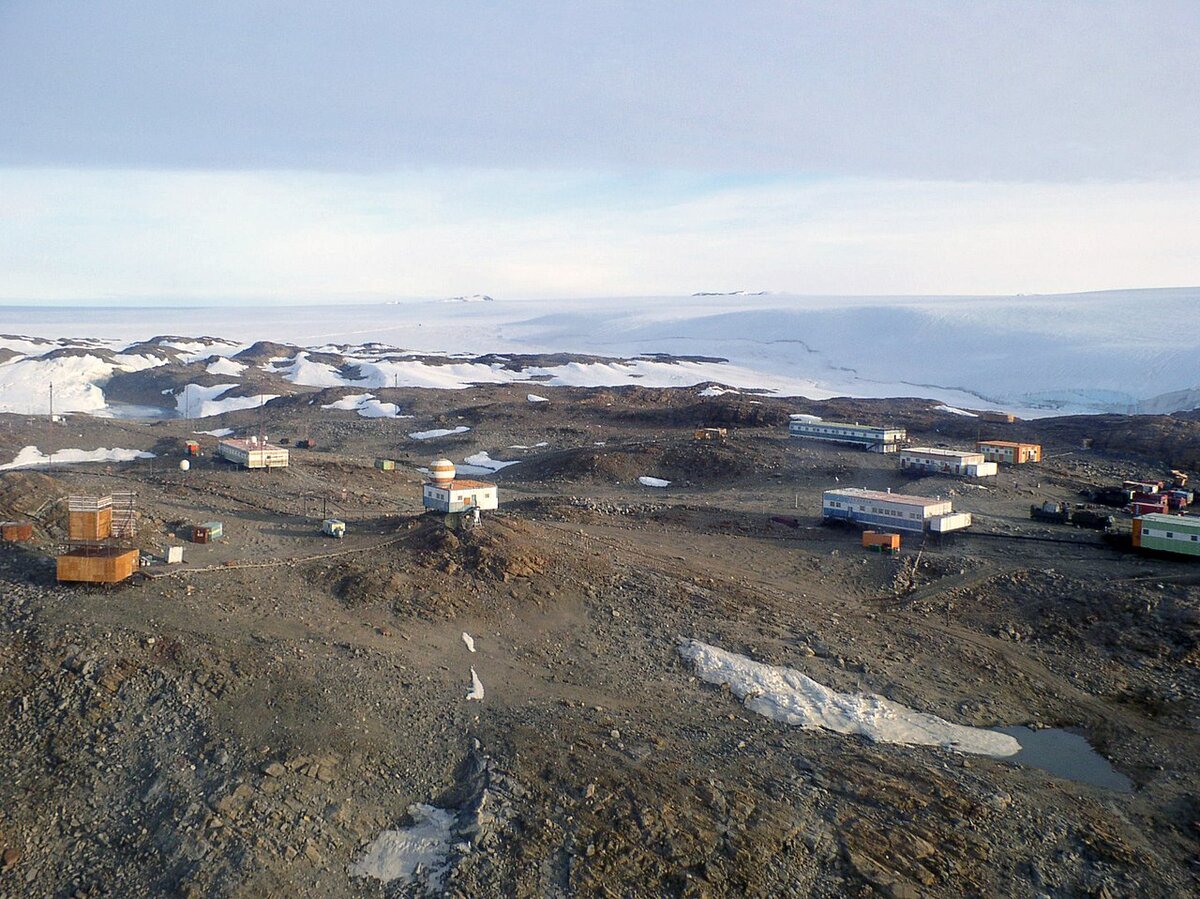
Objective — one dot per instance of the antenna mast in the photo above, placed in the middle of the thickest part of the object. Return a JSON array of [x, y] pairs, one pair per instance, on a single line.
[[50, 432]]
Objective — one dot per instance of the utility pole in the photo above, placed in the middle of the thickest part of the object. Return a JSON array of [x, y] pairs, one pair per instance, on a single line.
[[50, 432]]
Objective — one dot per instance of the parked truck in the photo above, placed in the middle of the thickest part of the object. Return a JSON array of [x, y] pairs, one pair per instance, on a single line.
[[1117, 497], [1096, 519], [1179, 498], [1079, 515], [1060, 513]]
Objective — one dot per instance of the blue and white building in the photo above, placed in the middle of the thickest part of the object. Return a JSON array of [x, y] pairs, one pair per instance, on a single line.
[[873, 439], [892, 511]]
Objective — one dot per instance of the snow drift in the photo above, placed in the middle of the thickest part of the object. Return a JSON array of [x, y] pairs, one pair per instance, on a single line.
[[791, 697]]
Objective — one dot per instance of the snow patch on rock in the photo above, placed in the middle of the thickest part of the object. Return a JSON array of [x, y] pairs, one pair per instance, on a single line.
[[419, 853], [791, 697], [32, 457], [438, 432]]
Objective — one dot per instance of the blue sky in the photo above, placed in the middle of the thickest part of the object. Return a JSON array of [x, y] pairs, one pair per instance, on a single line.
[[314, 151]]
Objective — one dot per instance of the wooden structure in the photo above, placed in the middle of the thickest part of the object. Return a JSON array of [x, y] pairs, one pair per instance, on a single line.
[[97, 528], [89, 518], [98, 564], [16, 531]]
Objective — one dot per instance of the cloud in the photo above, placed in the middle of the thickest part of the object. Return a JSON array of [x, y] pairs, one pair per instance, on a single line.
[[302, 236], [931, 90]]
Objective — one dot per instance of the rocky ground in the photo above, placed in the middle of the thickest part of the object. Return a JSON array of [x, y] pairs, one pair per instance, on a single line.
[[248, 724]]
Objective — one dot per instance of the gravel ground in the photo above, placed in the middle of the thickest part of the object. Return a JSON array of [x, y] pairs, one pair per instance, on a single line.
[[247, 724]]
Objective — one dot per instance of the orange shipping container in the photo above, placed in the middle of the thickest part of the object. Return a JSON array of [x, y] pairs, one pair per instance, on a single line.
[[871, 539], [15, 531], [98, 565]]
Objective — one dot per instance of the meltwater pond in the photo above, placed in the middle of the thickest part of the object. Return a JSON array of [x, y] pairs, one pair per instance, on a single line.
[[1066, 755]]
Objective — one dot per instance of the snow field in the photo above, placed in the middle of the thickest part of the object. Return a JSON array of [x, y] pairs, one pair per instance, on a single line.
[[32, 457], [205, 402], [1115, 351], [791, 697]]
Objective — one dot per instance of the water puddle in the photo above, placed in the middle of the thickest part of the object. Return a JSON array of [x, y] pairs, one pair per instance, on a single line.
[[1067, 755]]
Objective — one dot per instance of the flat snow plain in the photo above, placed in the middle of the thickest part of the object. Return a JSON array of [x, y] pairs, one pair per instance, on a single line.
[[1114, 351]]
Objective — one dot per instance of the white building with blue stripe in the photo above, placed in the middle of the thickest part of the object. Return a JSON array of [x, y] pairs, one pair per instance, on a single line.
[[873, 439], [892, 511]]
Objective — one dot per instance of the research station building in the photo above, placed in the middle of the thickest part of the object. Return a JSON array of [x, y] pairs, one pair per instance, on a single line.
[[444, 492], [892, 511], [1007, 452], [934, 460], [872, 439], [253, 452], [1178, 534]]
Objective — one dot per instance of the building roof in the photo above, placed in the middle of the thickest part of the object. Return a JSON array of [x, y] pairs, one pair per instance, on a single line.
[[250, 445], [1183, 521], [844, 424], [460, 484], [1012, 443], [938, 451], [903, 498]]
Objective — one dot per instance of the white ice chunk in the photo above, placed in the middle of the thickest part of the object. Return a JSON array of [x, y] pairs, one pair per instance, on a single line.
[[476, 687], [467, 639]]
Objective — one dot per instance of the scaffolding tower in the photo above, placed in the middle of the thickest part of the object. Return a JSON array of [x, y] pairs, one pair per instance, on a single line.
[[98, 547]]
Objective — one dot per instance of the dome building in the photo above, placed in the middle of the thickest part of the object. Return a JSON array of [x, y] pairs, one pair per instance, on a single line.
[[448, 493]]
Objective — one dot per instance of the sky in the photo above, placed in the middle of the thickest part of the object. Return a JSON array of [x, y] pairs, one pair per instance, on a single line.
[[311, 152]]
